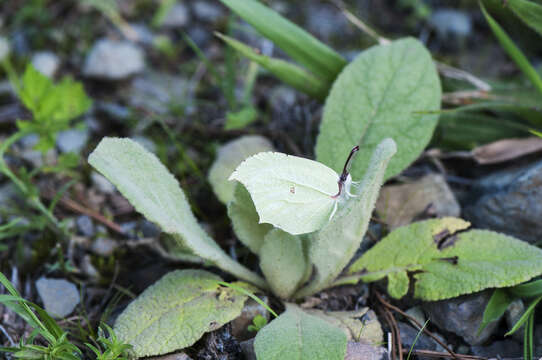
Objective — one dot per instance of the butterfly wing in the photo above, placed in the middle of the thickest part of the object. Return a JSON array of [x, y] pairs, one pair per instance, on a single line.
[[289, 192]]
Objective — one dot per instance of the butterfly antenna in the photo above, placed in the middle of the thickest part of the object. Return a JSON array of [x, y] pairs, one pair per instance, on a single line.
[[346, 169]]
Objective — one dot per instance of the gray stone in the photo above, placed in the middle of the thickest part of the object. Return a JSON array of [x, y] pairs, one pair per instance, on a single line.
[[176, 17], [114, 110], [176, 356], [103, 246], [423, 342], [206, 11], [462, 316], [247, 348], [144, 35], [114, 60], [201, 36], [509, 201], [502, 349], [325, 21], [157, 92], [101, 183], [148, 229], [46, 63], [72, 140], [418, 314], [85, 226], [59, 296], [451, 23], [361, 351], [512, 315]]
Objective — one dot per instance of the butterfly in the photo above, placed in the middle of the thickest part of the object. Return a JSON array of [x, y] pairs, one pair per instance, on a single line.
[[294, 194]]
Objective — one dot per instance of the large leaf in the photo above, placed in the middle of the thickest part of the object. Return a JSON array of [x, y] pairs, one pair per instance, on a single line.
[[447, 265], [385, 92], [229, 156], [176, 311], [332, 247], [296, 335], [154, 192], [291, 74], [283, 262], [529, 12], [245, 220], [513, 51], [317, 57]]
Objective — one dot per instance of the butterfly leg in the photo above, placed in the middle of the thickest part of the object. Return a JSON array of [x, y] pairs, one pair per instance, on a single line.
[[334, 210]]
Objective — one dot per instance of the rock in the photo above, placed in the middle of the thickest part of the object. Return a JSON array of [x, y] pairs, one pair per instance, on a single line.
[[499, 349], [113, 60], [114, 110], [429, 196], [200, 36], [85, 226], [509, 201], [250, 310], [129, 229], [360, 351], [450, 23], [101, 183], [424, 342], [247, 348], [46, 63], [462, 316], [4, 48], [144, 35], [148, 229], [512, 315], [176, 17], [157, 92], [59, 296], [176, 356], [326, 22], [72, 140], [417, 313], [103, 246], [206, 11]]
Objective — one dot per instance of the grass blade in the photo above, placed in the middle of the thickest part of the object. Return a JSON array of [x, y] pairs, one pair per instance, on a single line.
[[250, 295], [304, 48], [495, 308], [529, 12], [513, 51], [528, 338], [524, 317], [530, 289], [291, 74]]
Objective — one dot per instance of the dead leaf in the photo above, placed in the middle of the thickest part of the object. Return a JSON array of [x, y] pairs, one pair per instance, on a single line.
[[507, 149]]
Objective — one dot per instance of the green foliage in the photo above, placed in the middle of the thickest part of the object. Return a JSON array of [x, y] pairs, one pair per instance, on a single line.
[[283, 262], [446, 264], [529, 12], [114, 348], [229, 156], [241, 119], [387, 91], [331, 248], [176, 311], [257, 323], [291, 74], [155, 193], [320, 60], [57, 344], [297, 335], [52, 105], [496, 307], [513, 51]]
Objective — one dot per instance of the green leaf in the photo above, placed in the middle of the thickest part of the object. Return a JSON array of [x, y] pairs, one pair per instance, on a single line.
[[176, 311], [241, 119], [447, 264], [283, 262], [290, 74], [230, 155], [333, 247], [296, 335], [381, 94], [528, 313], [513, 51], [530, 289], [495, 308], [529, 12], [304, 48], [154, 192], [245, 220]]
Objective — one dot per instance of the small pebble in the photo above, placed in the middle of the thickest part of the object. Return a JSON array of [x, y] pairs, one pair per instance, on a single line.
[[60, 297]]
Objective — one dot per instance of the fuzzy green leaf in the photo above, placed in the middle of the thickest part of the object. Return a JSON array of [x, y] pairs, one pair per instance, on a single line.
[[513, 51], [304, 48], [245, 220], [331, 248], [449, 265], [230, 155], [290, 74], [283, 262], [529, 12], [296, 335], [176, 311], [154, 192], [381, 94]]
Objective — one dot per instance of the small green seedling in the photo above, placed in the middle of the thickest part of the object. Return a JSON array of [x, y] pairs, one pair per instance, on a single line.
[[257, 323]]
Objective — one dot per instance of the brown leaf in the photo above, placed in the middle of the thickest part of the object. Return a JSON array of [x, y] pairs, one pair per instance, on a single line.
[[508, 149]]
